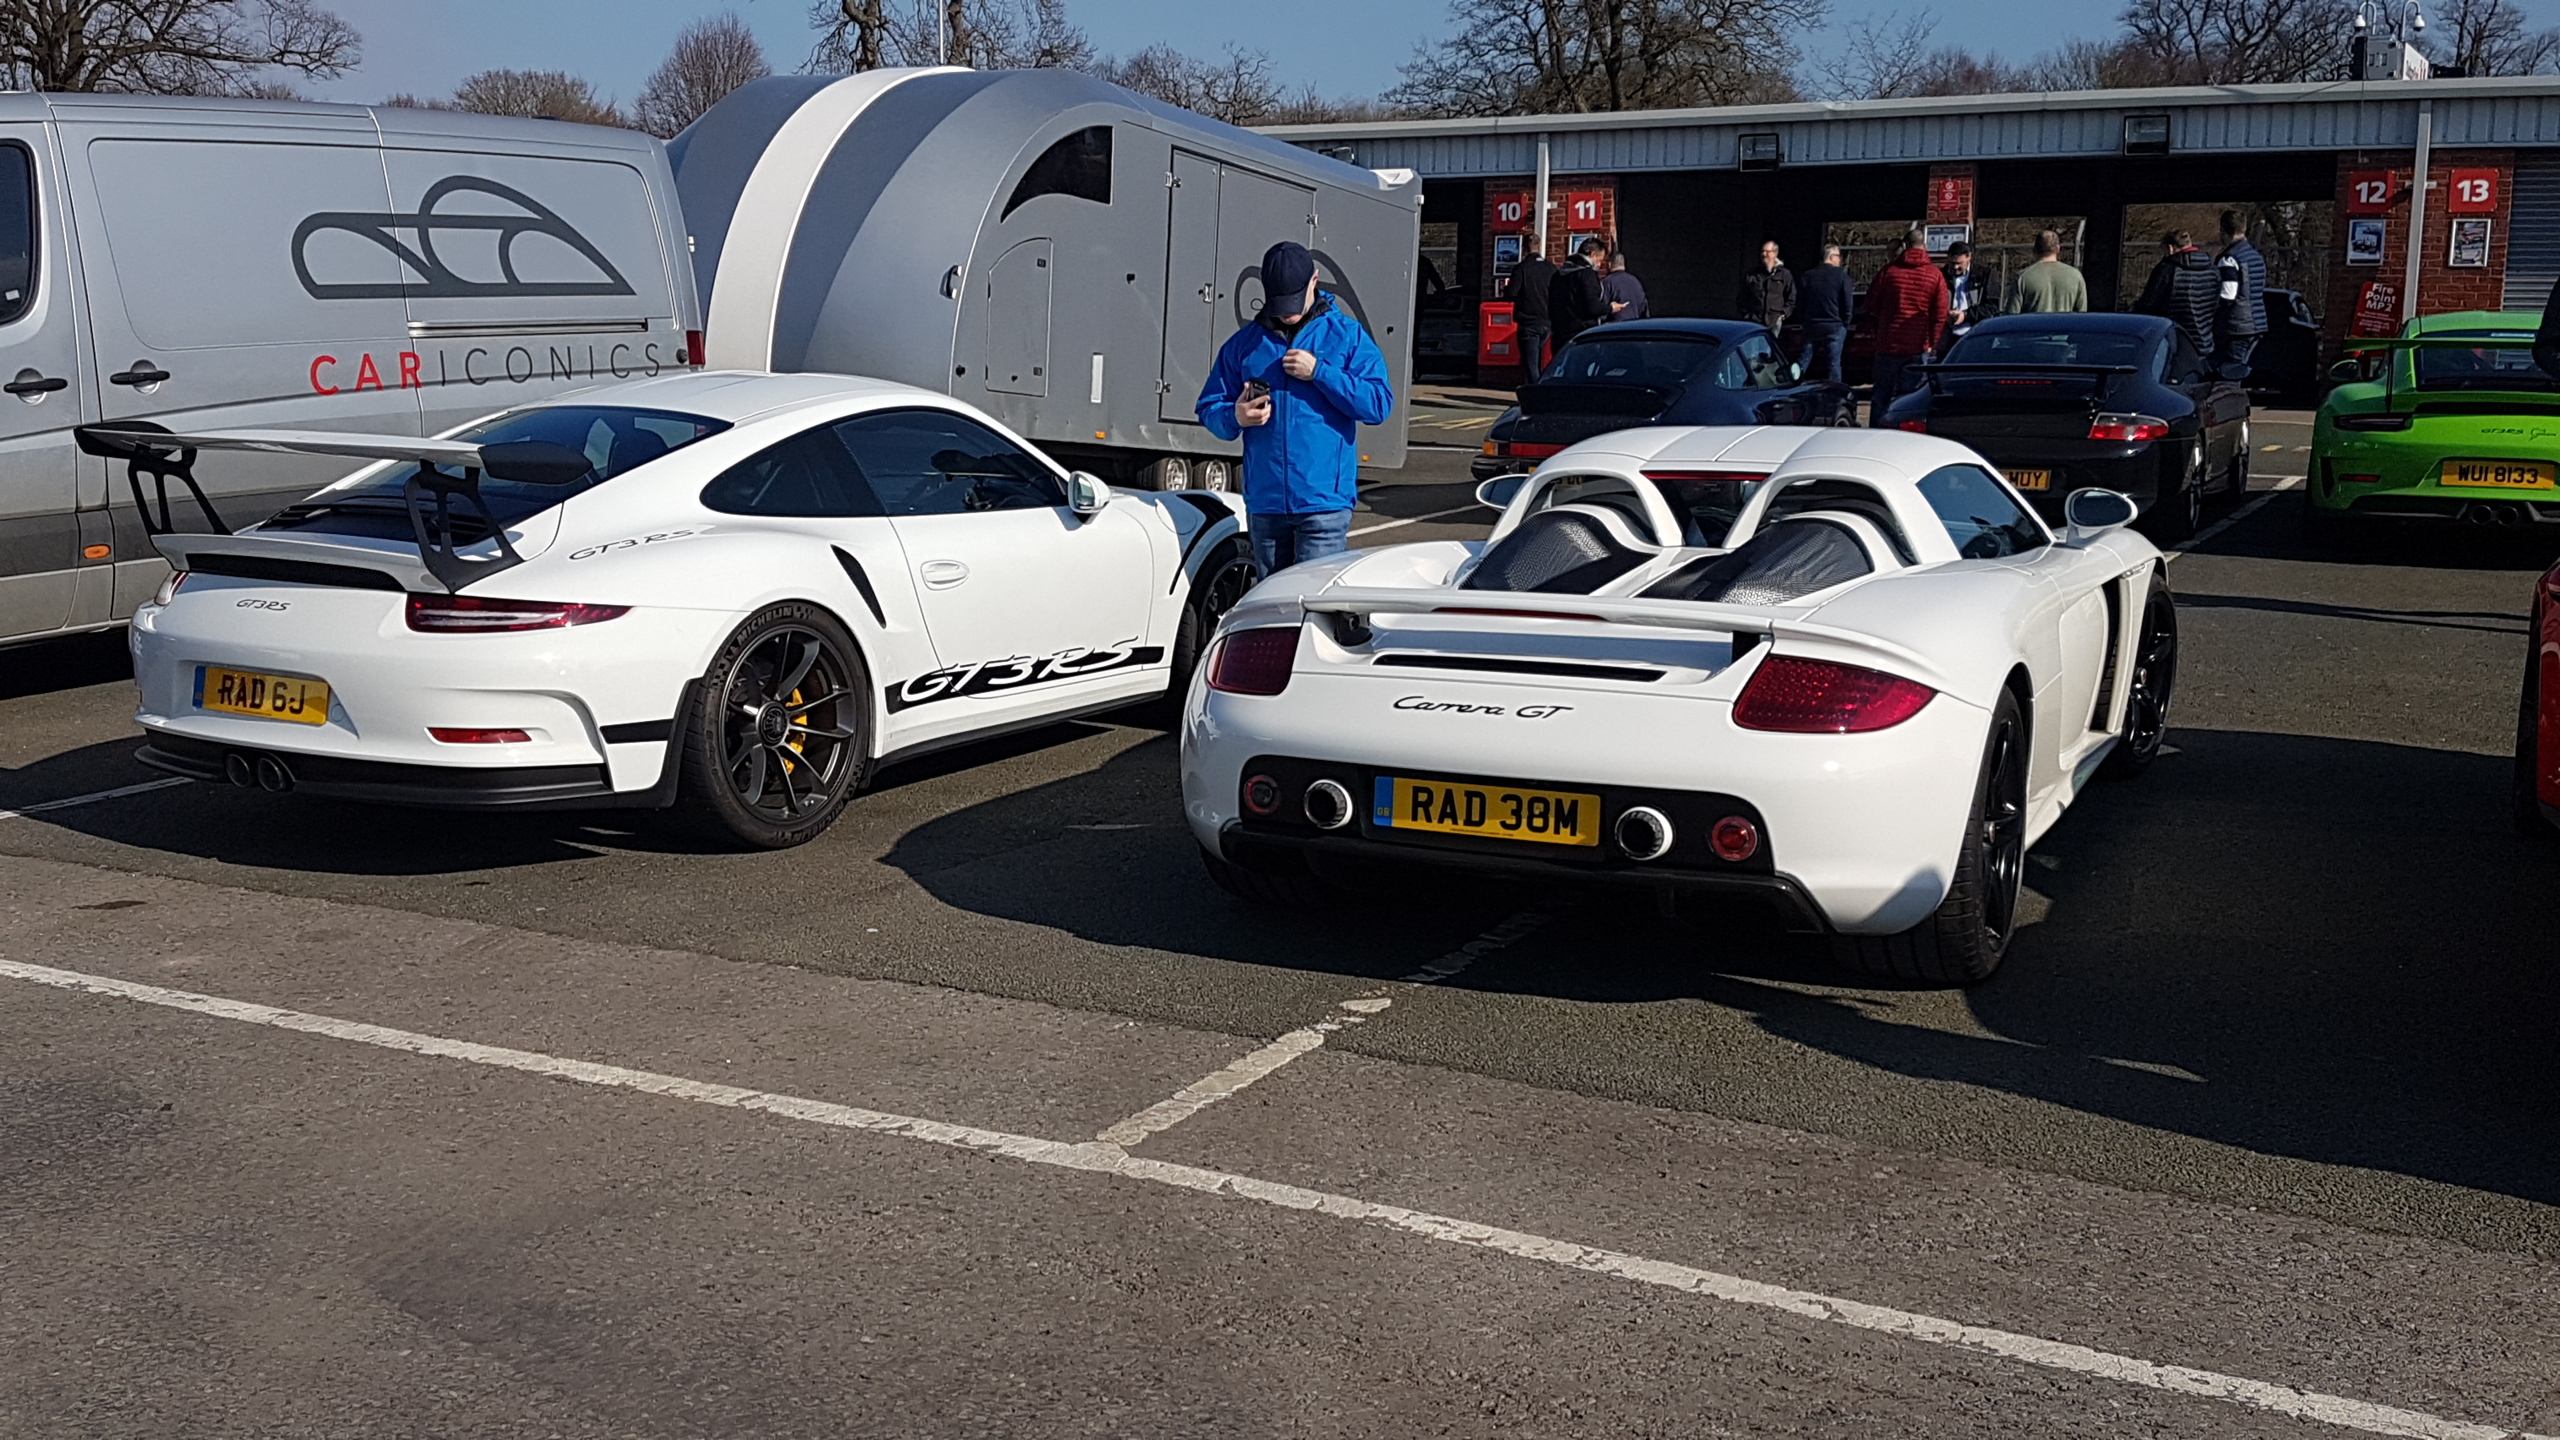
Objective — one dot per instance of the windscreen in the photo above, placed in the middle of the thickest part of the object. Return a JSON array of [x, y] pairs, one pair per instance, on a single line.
[[2028, 347], [1665, 360], [616, 440], [2490, 365]]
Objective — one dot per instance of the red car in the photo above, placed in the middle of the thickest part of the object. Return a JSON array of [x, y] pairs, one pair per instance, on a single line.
[[2537, 782]]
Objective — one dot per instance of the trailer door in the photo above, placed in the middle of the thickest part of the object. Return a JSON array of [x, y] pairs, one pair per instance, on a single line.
[[1191, 289], [1256, 212]]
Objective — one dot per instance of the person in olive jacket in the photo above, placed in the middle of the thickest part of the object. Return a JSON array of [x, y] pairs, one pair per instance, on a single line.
[[1768, 292]]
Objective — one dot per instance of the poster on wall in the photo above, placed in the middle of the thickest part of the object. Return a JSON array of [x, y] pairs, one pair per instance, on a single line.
[[1573, 242], [1506, 254], [2364, 242], [2469, 248], [2377, 310], [1939, 237]]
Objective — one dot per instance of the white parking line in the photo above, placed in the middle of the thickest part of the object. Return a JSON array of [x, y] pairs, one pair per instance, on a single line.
[[118, 793], [1193, 1098], [1414, 520], [1101, 1159], [2283, 483]]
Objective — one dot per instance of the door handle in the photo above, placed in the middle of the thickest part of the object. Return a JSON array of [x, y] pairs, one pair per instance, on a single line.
[[942, 574], [142, 373], [31, 382], [1209, 294]]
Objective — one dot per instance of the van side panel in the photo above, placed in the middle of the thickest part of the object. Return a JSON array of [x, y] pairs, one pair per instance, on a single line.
[[46, 582]]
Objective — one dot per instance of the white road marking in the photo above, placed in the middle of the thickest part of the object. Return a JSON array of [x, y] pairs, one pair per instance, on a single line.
[[1415, 520], [1199, 1095], [2283, 483], [1510, 932], [1097, 1158], [116, 794]]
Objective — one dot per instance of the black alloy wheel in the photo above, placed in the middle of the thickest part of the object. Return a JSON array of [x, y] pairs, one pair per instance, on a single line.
[[1964, 940], [1223, 580], [2179, 511], [2155, 677], [776, 743], [2239, 470]]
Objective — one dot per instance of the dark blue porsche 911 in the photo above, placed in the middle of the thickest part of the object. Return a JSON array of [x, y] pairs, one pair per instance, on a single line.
[[1658, 372]]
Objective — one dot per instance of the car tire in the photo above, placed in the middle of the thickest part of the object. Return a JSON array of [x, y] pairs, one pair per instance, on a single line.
[[754, 726], [2238, 477], [2524, 792], [1223, 579], [2179, 510], [1965, 938], [2155, 681], [1277, 892]]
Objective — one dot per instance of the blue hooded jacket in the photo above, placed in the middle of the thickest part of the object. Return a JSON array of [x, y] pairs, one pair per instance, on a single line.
[[1306, 461]]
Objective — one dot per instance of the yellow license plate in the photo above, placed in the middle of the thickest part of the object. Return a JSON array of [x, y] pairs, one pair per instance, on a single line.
[[2500, 474], [1499, 812], [275, 697], [2030, 479]]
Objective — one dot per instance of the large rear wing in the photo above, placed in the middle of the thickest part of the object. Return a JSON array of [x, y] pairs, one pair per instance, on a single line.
[[1349, 611], [431, 495], [2545, 385]]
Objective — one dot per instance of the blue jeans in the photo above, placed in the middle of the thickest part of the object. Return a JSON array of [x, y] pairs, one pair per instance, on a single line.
[[1826, 338], [1280, 541]]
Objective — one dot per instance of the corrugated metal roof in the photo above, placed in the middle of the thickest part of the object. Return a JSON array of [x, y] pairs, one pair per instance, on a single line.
[[2204, 119]]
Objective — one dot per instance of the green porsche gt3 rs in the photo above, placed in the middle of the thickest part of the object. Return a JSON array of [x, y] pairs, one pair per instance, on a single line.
[[2452, 420]]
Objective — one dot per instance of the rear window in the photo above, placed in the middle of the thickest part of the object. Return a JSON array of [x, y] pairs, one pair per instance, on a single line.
[[2488, 365], [1664, 360], [616, 440]]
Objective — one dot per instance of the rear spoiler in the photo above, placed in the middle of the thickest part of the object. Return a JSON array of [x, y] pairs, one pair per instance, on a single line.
[[1573, 397], [2522, 340], [2102, 373], [1352, 609], [164, 454]]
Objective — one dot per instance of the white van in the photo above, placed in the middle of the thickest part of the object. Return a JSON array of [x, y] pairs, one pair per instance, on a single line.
[[220, 263]]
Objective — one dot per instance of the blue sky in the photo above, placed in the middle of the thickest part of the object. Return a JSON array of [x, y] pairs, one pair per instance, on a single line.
[[1350, 47]]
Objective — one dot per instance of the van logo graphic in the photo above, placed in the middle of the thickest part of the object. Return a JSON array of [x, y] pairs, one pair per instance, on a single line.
[[440, 280]]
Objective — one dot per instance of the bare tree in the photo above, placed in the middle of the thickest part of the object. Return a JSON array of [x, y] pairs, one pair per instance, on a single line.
[[2488, 37], [170, 47], [535, 94], [2241, 42], [1238, 89], [1889, 57], [1514, 57], [2085, 64], [711, 58], [983, 34]]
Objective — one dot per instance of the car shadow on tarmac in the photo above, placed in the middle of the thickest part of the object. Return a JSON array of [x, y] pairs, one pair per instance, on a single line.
[[2331, 950]]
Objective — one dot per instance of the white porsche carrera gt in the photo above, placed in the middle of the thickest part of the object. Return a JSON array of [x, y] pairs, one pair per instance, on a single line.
[[729, 593], [1847, 672]]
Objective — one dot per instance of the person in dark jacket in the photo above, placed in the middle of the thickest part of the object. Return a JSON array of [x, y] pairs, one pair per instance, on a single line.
[[1768, 291], [2185, 291], [1578, 299], [1624, 291], [1297, 383], [1527, 293], [1825, 304], [2242, 273], [1908, 302]]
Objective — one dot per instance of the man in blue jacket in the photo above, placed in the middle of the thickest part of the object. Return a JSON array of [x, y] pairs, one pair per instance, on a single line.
[[1297, 383]]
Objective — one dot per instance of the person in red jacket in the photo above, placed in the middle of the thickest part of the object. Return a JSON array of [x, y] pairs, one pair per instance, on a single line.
[[1908, 303]]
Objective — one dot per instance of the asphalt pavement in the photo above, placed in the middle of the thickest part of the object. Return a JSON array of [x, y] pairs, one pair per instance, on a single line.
[[317, 1119]]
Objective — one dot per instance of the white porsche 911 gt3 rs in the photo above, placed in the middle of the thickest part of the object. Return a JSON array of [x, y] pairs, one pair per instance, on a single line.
[[1847, 672], [730, 593]]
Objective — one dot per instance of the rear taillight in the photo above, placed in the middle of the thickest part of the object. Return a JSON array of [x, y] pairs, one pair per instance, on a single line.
[[2128, 428], [1529, 450], [693, 348], [1824, 697], [1255, 662], [169, 588], [472, 615], [1918, 427]]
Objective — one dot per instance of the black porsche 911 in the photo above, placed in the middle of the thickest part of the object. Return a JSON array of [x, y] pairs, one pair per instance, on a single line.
[[2122, 402], [1657, 372]]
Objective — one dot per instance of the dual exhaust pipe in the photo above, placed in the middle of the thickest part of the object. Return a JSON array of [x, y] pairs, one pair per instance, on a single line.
[[2498, 514], [259, 772]]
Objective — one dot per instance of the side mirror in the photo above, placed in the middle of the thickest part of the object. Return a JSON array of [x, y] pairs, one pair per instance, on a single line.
[[1498, 492], [2347, 372], [2233, 371], [1086, 495], [1795, 373], [2090, 513]]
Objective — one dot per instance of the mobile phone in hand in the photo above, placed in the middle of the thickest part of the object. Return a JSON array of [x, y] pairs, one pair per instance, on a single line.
[[1256, 389]]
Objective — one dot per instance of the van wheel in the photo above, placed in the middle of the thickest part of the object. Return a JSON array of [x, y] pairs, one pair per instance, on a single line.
[[1964, 939], [1213, 473], [780, 731], [1165, 472]]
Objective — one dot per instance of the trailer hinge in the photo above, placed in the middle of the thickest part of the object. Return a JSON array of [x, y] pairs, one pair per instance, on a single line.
[[1172, 181]]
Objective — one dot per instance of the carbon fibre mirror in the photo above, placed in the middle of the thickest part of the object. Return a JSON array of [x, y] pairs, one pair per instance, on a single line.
[[1498, 492], [2090, 513]]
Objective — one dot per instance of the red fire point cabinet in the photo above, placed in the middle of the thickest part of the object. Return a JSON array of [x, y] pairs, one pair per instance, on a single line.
[[1497, 334]]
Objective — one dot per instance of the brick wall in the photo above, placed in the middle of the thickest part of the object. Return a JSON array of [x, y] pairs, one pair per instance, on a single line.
[[1559, 224], [2441, 288]]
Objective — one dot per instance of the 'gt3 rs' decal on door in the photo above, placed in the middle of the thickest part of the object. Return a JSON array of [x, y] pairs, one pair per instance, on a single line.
[[990, 676]]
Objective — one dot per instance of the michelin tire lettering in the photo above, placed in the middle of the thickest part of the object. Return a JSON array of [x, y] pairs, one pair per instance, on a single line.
[[1016, 672]]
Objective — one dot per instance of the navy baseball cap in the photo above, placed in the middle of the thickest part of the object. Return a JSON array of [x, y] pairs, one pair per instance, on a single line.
[[1286, 269]]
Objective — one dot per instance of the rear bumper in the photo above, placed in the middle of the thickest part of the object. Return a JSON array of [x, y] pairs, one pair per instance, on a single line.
[[2132, 470], [385, 782]]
